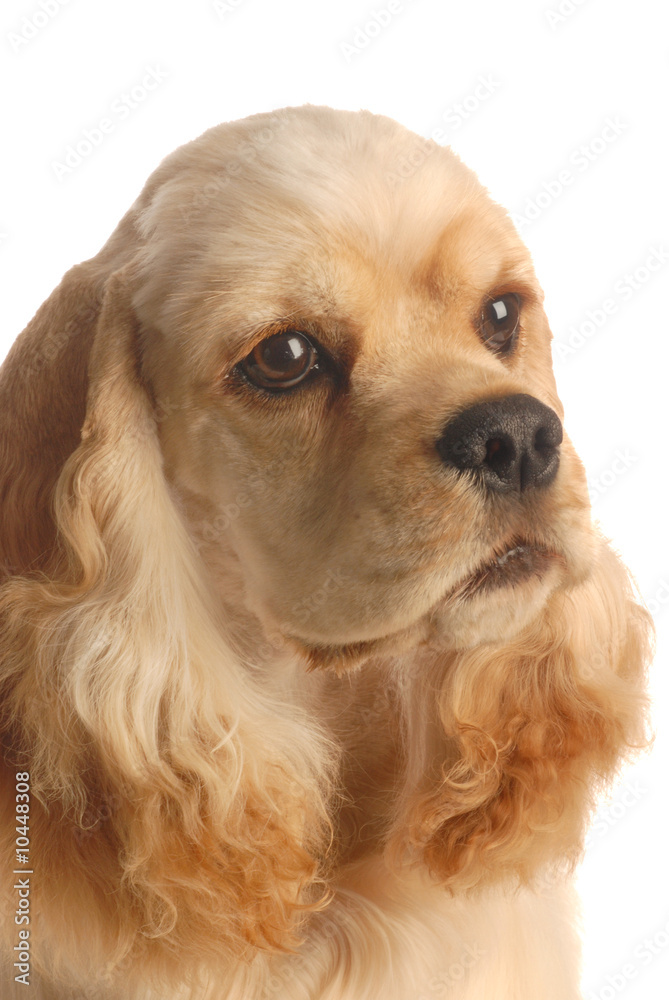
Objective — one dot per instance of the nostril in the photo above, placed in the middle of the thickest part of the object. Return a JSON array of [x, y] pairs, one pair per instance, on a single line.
[[500, 453], [548, 437], [495, 445], [511, 443]]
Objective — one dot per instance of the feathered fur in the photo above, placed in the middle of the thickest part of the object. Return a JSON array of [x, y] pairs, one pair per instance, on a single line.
[[277, 745]]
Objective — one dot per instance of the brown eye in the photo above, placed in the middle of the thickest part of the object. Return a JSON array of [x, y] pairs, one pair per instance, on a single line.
[[499, 323], [281, 361]]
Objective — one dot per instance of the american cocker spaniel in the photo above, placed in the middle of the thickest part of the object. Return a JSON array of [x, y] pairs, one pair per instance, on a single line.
[[312, 661]]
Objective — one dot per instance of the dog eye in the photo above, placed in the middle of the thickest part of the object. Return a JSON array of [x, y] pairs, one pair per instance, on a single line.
[[499, 323], [280, 361]]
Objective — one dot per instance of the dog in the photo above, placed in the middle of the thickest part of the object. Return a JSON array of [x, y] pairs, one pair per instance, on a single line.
[[313, 664]]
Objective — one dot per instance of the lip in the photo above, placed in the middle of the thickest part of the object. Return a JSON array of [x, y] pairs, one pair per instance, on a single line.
[[516, 564], [513, 565]]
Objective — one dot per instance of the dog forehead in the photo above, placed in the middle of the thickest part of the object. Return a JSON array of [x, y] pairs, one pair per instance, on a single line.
[[329, 184], [312, 212]]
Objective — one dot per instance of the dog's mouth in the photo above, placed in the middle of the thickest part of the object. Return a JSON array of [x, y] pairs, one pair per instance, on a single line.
[[518, 563]]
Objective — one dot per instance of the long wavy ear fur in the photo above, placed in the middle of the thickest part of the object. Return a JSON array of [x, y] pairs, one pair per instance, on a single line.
[[527, 735], [175, 814], [43, 384]]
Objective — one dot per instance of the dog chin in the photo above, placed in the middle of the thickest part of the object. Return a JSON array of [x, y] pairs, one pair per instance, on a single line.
[[494, 615], [492, 605], [500, 598]]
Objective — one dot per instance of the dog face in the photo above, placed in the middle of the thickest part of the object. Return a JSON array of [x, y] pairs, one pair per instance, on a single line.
[[313, 349]]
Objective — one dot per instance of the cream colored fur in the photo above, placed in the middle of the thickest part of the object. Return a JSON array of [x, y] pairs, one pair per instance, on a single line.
[[274, 752]]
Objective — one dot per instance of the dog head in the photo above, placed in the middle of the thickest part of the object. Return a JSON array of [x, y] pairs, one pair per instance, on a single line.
[[353, 373]]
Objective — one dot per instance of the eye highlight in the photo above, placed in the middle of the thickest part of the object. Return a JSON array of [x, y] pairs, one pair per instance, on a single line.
[[281, 361], [500, 318]]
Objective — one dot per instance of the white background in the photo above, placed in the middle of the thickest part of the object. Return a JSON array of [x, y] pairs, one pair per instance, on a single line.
[[523, 91]]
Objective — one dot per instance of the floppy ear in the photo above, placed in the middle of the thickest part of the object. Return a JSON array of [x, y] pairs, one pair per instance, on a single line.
[[43, 384], [176, 815], [528, 733]]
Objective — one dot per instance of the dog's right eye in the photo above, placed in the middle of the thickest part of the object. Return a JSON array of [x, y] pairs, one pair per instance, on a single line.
[[281, 361], [500, 318]]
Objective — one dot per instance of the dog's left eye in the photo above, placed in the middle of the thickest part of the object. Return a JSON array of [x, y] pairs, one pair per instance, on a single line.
[[499, 323], [280, 361]]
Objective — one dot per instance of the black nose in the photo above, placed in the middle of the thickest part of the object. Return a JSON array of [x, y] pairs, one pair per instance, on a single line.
[[512, 443]]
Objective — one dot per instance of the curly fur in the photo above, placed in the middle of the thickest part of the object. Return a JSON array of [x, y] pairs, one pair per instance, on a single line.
[[276, 749]]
